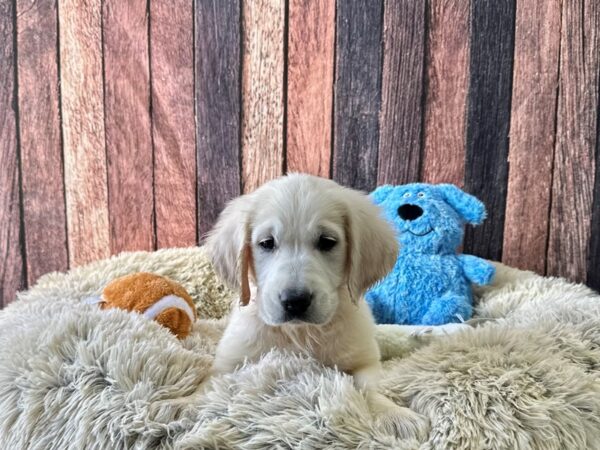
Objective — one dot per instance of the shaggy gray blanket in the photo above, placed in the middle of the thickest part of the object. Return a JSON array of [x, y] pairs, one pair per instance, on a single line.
[[72, 376]]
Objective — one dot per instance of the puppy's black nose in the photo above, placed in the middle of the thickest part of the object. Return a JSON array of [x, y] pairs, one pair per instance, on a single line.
[[410, 212], [295, 301]]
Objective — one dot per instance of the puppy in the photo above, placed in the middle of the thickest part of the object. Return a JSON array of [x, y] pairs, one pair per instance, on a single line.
[[302, 251]]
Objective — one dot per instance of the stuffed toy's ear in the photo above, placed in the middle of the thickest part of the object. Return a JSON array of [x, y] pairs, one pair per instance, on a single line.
[[470, 208], [380, 194]]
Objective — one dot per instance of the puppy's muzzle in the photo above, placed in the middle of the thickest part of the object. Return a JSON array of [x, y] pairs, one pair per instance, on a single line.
[[295, 302]]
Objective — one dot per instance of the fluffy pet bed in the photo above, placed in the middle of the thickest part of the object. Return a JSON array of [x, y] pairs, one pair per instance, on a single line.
[[72, 376]]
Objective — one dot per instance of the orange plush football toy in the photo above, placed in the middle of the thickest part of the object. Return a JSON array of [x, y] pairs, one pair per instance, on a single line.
[[155, 297]]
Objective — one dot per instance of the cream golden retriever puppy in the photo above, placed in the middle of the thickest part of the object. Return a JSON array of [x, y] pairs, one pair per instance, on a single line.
[[302, 250]]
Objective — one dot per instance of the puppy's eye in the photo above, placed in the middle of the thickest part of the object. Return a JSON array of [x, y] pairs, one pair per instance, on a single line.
[[421, 194], [267, 244], [326, 243]]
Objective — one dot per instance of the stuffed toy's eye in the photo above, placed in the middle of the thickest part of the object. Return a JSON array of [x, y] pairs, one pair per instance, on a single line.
[[406, 195], [267, 244], [421, 194], [326, 243]]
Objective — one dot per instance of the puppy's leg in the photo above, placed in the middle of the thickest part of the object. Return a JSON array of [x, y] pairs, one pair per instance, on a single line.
[[398, 420]]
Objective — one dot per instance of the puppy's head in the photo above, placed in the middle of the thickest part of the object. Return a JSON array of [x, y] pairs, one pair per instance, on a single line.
[[305, 243]]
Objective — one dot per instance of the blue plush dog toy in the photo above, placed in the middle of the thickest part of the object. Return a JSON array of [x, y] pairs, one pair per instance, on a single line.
[[430, 283]]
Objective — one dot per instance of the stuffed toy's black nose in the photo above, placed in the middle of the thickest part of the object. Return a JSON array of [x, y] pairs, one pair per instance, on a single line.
[[410, 212], [295, 301]]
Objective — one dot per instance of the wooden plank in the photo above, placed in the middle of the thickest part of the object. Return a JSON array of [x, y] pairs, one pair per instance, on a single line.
[[447, 82], [357, 92], [402, 88], [12, 275], [486, 171], [83, 130], [574, 165], [532, 131], [173, 127], [262, 91], [311, 32], [39, 128], [593, 262], [218, 84], [128, 133]]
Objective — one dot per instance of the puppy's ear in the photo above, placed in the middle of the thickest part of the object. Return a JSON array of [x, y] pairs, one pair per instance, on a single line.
[[228, 245], [470, 208], [372, 247]]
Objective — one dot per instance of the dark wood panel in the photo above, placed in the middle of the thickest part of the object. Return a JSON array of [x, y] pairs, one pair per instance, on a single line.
[[311, 36], [357, 92], [40, 139], [573, 180], [12, 275], [128, 134], [486, 171], [447, 85], [83, 130], [532, 132], [263, 23], [593, 263], [172, 80], [218, 85], [402, 91]]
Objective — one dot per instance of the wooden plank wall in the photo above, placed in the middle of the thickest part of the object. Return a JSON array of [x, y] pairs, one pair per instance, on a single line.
[[129, 125], [12, 264]]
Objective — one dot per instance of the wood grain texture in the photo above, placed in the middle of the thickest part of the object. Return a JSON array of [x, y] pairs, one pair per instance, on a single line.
[[40, 138], [357, 92], [218, 87], [173, 127], [573, 180], [532, 132], [83, 130], [128, 133], [262, 91], [399, 156], [447, 80], [593, 262], [486, 171], [311, 45], [12, 274]]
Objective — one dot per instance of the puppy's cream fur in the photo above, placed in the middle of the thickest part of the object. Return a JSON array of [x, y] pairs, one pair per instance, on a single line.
[[338, 328]]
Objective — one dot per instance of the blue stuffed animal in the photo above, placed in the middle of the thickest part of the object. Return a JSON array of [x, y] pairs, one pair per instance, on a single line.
[[430, 283]]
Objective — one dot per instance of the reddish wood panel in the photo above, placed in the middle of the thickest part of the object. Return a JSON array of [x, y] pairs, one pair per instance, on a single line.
[[311, 33], [127, 119], [12, 276], [574, 165], [173, 128], [402, 88], [532, 132], [447, 81], [40, 138], [83, 130], [357, 103], [262, 91], [218, 84]]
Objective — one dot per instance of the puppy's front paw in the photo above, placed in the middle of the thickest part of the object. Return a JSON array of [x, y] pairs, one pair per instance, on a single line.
[[404, 423]]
